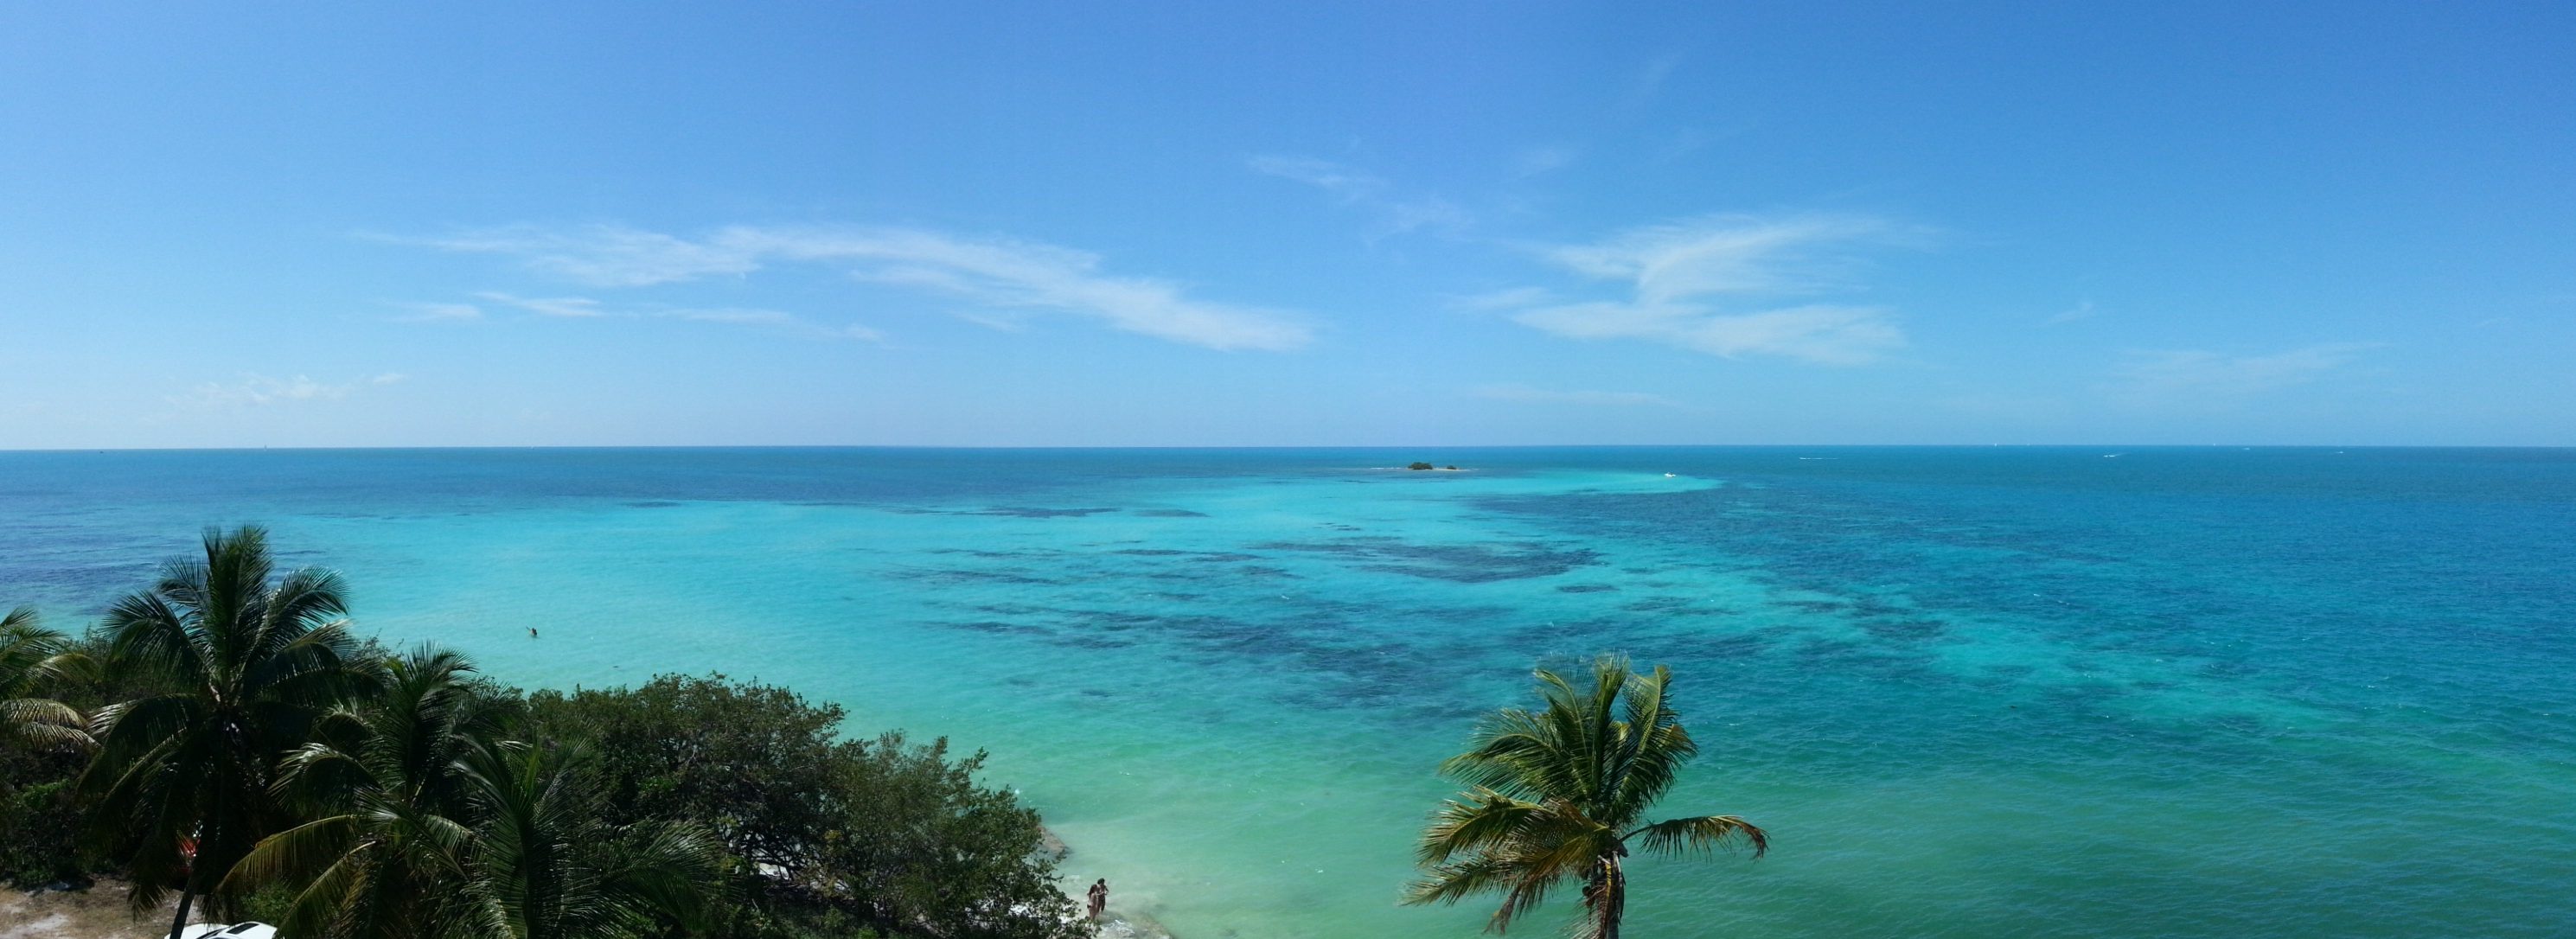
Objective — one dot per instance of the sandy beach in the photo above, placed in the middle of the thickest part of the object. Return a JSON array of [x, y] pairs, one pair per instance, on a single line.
[[96, 913]]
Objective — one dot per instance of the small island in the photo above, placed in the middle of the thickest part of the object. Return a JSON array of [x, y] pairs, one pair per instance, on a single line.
[[1419, 465]]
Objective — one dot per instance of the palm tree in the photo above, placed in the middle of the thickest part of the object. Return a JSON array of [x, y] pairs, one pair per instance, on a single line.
[[544, 864], [31, 658], [1558, 793], [237, 669], [389, 804]]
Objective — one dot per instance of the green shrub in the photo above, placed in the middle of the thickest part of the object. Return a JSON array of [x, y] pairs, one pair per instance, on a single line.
[[39, 836], [825, 833]]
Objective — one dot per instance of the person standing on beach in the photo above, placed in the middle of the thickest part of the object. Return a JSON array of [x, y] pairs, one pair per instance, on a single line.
[[1099, 897]]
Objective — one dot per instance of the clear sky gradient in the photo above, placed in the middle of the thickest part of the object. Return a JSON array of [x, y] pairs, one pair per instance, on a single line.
[[1205, 223]]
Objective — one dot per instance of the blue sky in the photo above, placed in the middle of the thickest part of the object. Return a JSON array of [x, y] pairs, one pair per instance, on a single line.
[[1133, 224]]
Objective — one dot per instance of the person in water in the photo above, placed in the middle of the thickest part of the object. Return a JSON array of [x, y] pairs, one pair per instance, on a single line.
[[532, 632], [1099, 897]]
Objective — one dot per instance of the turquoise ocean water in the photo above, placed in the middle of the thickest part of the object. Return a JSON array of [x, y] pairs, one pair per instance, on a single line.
[[1970, 691]]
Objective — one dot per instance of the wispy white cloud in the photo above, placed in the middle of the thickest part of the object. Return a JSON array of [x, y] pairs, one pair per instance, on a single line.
[[1727, 254], [1682, 143], [566, 307], [996, 274], [1541, 160], [1026, 275], [1826, 335], [1651, 76], [2194, 377], [773, 320], [2082, 310], [605, 255], [254, 390], [1393, 213], [1335, 178], [1714, 285], [1512, 392], [734, 316], [1512, 298], [440, 312]]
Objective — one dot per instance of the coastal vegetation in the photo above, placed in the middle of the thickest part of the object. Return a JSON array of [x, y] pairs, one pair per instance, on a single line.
[[1560, 794], [43, 743], [224, 735], [231, 673]]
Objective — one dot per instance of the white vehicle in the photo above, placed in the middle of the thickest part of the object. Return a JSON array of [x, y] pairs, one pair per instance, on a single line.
[[234, 931]]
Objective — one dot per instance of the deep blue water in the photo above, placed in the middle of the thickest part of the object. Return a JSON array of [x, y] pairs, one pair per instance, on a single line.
[[1971, 691]]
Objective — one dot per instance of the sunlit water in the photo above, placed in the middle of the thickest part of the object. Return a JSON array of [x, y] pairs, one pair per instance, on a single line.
[[1970, 692]]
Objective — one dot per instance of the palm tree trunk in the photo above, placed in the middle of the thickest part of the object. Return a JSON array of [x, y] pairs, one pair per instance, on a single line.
[[196, 870], [1610, 899], [187, 892]]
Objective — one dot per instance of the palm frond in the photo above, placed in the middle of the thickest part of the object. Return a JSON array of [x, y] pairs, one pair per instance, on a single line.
[[320, 905], [1700, 836], [44, 723], [1450, 883], [667, 869], [1656, 747], [32, 656], [296, 853], [127, 730], [1483, 821], [150, 638], [309, 597], [1512, 751]]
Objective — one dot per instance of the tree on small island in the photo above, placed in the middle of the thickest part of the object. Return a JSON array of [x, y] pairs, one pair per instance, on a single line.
[[1558, 793], [1417, 465]]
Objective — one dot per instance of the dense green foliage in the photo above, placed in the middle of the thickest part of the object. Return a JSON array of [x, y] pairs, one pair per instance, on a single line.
[[44, 743], [826, 833], [547, 864], [1559, 794], [384, 790], [38, 834], [252, 755]]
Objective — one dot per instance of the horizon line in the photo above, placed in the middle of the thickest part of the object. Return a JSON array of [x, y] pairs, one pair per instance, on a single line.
[[1325, 446]]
